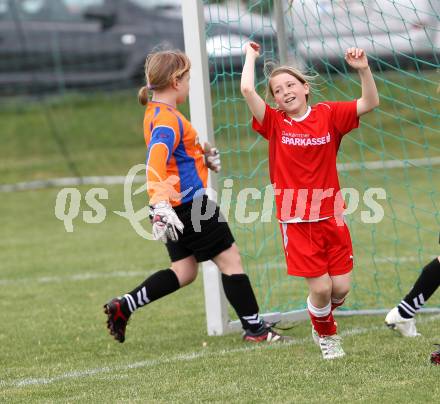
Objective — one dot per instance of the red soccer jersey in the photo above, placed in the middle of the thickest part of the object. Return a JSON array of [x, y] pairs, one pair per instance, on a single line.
[[302, 158]]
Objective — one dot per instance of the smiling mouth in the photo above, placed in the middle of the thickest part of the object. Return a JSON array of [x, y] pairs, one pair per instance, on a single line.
[[290, 99]]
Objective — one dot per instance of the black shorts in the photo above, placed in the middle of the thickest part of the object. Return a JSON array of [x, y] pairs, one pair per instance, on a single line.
[[203, 238]]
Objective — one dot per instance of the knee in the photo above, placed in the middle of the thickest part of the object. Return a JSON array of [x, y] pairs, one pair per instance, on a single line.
[[340, 293], [185, 275], [340, 290], [191, 277], [322, 291], [229, 262]]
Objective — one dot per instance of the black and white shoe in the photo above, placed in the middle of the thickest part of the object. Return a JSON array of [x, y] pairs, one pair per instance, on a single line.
[[267, 334]]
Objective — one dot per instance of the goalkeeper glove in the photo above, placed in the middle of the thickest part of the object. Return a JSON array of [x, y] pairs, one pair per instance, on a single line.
[[165, 222], [212, 158]]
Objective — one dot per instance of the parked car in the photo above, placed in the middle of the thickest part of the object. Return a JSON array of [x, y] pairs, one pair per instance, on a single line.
[[46, 44], [392, 32], [50, 43]]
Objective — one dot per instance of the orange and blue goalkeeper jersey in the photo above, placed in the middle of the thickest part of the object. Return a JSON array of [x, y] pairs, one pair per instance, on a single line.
[[176, 167]]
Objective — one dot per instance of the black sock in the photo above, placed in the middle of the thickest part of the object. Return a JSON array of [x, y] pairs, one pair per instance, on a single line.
[[239, 293], [426, 284], [158, 285]]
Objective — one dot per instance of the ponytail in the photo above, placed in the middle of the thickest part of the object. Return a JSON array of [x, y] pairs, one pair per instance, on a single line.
[[143, 95]]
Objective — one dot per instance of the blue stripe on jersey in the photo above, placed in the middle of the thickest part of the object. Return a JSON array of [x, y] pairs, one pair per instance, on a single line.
[[189, 179], [164, 135], [156, 111]]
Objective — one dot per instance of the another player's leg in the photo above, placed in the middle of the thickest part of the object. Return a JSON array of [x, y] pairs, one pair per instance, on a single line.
[[401, 317], [156, 286], [324, 328], [239, 292], [215, 242]]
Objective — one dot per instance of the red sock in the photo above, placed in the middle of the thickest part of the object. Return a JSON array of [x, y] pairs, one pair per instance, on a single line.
[[324, 326], [322, 319], [336, 303]]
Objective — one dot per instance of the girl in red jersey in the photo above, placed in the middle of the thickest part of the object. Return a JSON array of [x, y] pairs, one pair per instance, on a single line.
[[177, 172], [303, 144]]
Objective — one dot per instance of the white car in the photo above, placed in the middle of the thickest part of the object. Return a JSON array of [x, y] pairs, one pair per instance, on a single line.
[[395, 32]]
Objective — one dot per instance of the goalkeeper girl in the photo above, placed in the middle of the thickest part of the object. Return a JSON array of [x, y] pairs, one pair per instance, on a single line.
[[303, 144], [177, 172]]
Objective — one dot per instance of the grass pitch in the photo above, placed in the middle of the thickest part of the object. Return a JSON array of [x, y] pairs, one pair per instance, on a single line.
[[55, 346]]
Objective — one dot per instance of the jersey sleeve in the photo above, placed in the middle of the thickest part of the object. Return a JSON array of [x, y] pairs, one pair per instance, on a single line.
[[165, 137], [265, 129], [344, 116]]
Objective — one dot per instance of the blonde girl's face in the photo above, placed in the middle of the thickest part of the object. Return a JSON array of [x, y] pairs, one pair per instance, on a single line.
[[183, 88], [289, 93]]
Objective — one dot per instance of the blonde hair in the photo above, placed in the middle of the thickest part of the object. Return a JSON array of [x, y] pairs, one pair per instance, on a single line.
[[271, 70], [161, 69]]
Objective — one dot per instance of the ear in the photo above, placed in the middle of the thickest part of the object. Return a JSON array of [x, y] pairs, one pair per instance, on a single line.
[[175, 83], [306, 88]]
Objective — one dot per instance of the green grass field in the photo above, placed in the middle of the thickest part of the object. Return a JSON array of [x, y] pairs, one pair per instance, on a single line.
[[55, 347]]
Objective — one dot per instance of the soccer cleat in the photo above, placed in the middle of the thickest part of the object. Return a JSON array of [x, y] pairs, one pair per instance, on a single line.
[[405, 326], [116, 320], [315, 335], [266, 335], [435, 356], [331, 347]]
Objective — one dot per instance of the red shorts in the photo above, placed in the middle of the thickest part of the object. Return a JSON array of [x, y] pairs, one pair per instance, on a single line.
[[316, 248]]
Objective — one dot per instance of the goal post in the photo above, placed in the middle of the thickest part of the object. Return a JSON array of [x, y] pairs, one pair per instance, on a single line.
[[201, 118]]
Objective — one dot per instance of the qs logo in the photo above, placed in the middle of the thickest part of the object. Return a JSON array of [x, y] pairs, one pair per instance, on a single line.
[[68, 201]]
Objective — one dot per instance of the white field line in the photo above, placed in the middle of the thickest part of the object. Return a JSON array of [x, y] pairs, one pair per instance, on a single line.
[[187, 357], [122, 274], [402, 259], [119, 179], [69, 182], [389, 164], [77, 277]]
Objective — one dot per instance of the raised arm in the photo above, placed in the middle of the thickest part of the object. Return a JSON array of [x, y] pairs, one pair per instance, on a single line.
[[255, 103], [369, 100]]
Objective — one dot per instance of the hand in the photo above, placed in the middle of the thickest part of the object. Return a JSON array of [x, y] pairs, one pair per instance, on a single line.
[[212, 157], [356, 58], [165, 222], [251, 48]]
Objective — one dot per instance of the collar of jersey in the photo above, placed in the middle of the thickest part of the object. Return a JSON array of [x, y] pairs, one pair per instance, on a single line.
[[301, 118], [163, 103]]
